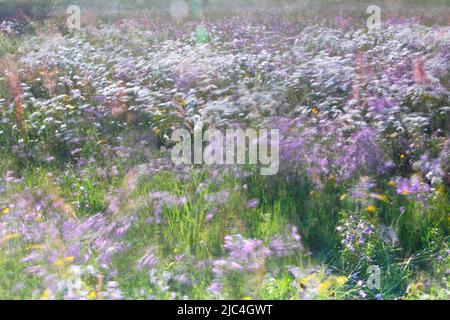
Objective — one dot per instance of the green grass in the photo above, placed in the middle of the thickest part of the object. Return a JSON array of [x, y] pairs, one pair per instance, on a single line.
[[416, 267], [317, 213]]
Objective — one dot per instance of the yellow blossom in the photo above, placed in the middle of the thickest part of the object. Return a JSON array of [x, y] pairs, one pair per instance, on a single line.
[[440, 190], [5, 211], [59, 263], [46, 294], [310, 277], [247, 298], [382, 197], [341, 280], [103, 141], [92, 295], [304, 282], [314, 110], [36, 246], [371, 209], [391, 183], [402, 156], [69, 259], [343, 197], [324, 286], [12, 236]]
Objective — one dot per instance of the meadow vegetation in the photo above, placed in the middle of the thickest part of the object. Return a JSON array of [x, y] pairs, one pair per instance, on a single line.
[[92, 207]]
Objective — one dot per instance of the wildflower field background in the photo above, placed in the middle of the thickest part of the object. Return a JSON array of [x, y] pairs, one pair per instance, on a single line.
[[92, 207]]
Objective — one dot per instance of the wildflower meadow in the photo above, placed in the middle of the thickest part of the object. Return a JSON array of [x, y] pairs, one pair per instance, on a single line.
[[191, 150]]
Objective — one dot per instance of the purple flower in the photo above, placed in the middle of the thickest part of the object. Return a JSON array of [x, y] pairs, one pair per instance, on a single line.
[[252, 203], [148, 261]]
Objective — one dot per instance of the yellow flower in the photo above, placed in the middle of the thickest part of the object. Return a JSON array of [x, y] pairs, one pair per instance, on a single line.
[[12, 236], [36, 246], [314, 110], [5, 211], [324, 286], [371, 209], [69, 259], [59, 263], [341, 280], [382, 197], [391, 183], [402, 156], [103, 141], [343, 197], [440, 190], [247, 298], [46, 294], [310, 277], [63, 262], [183, 103], [92, 295]]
